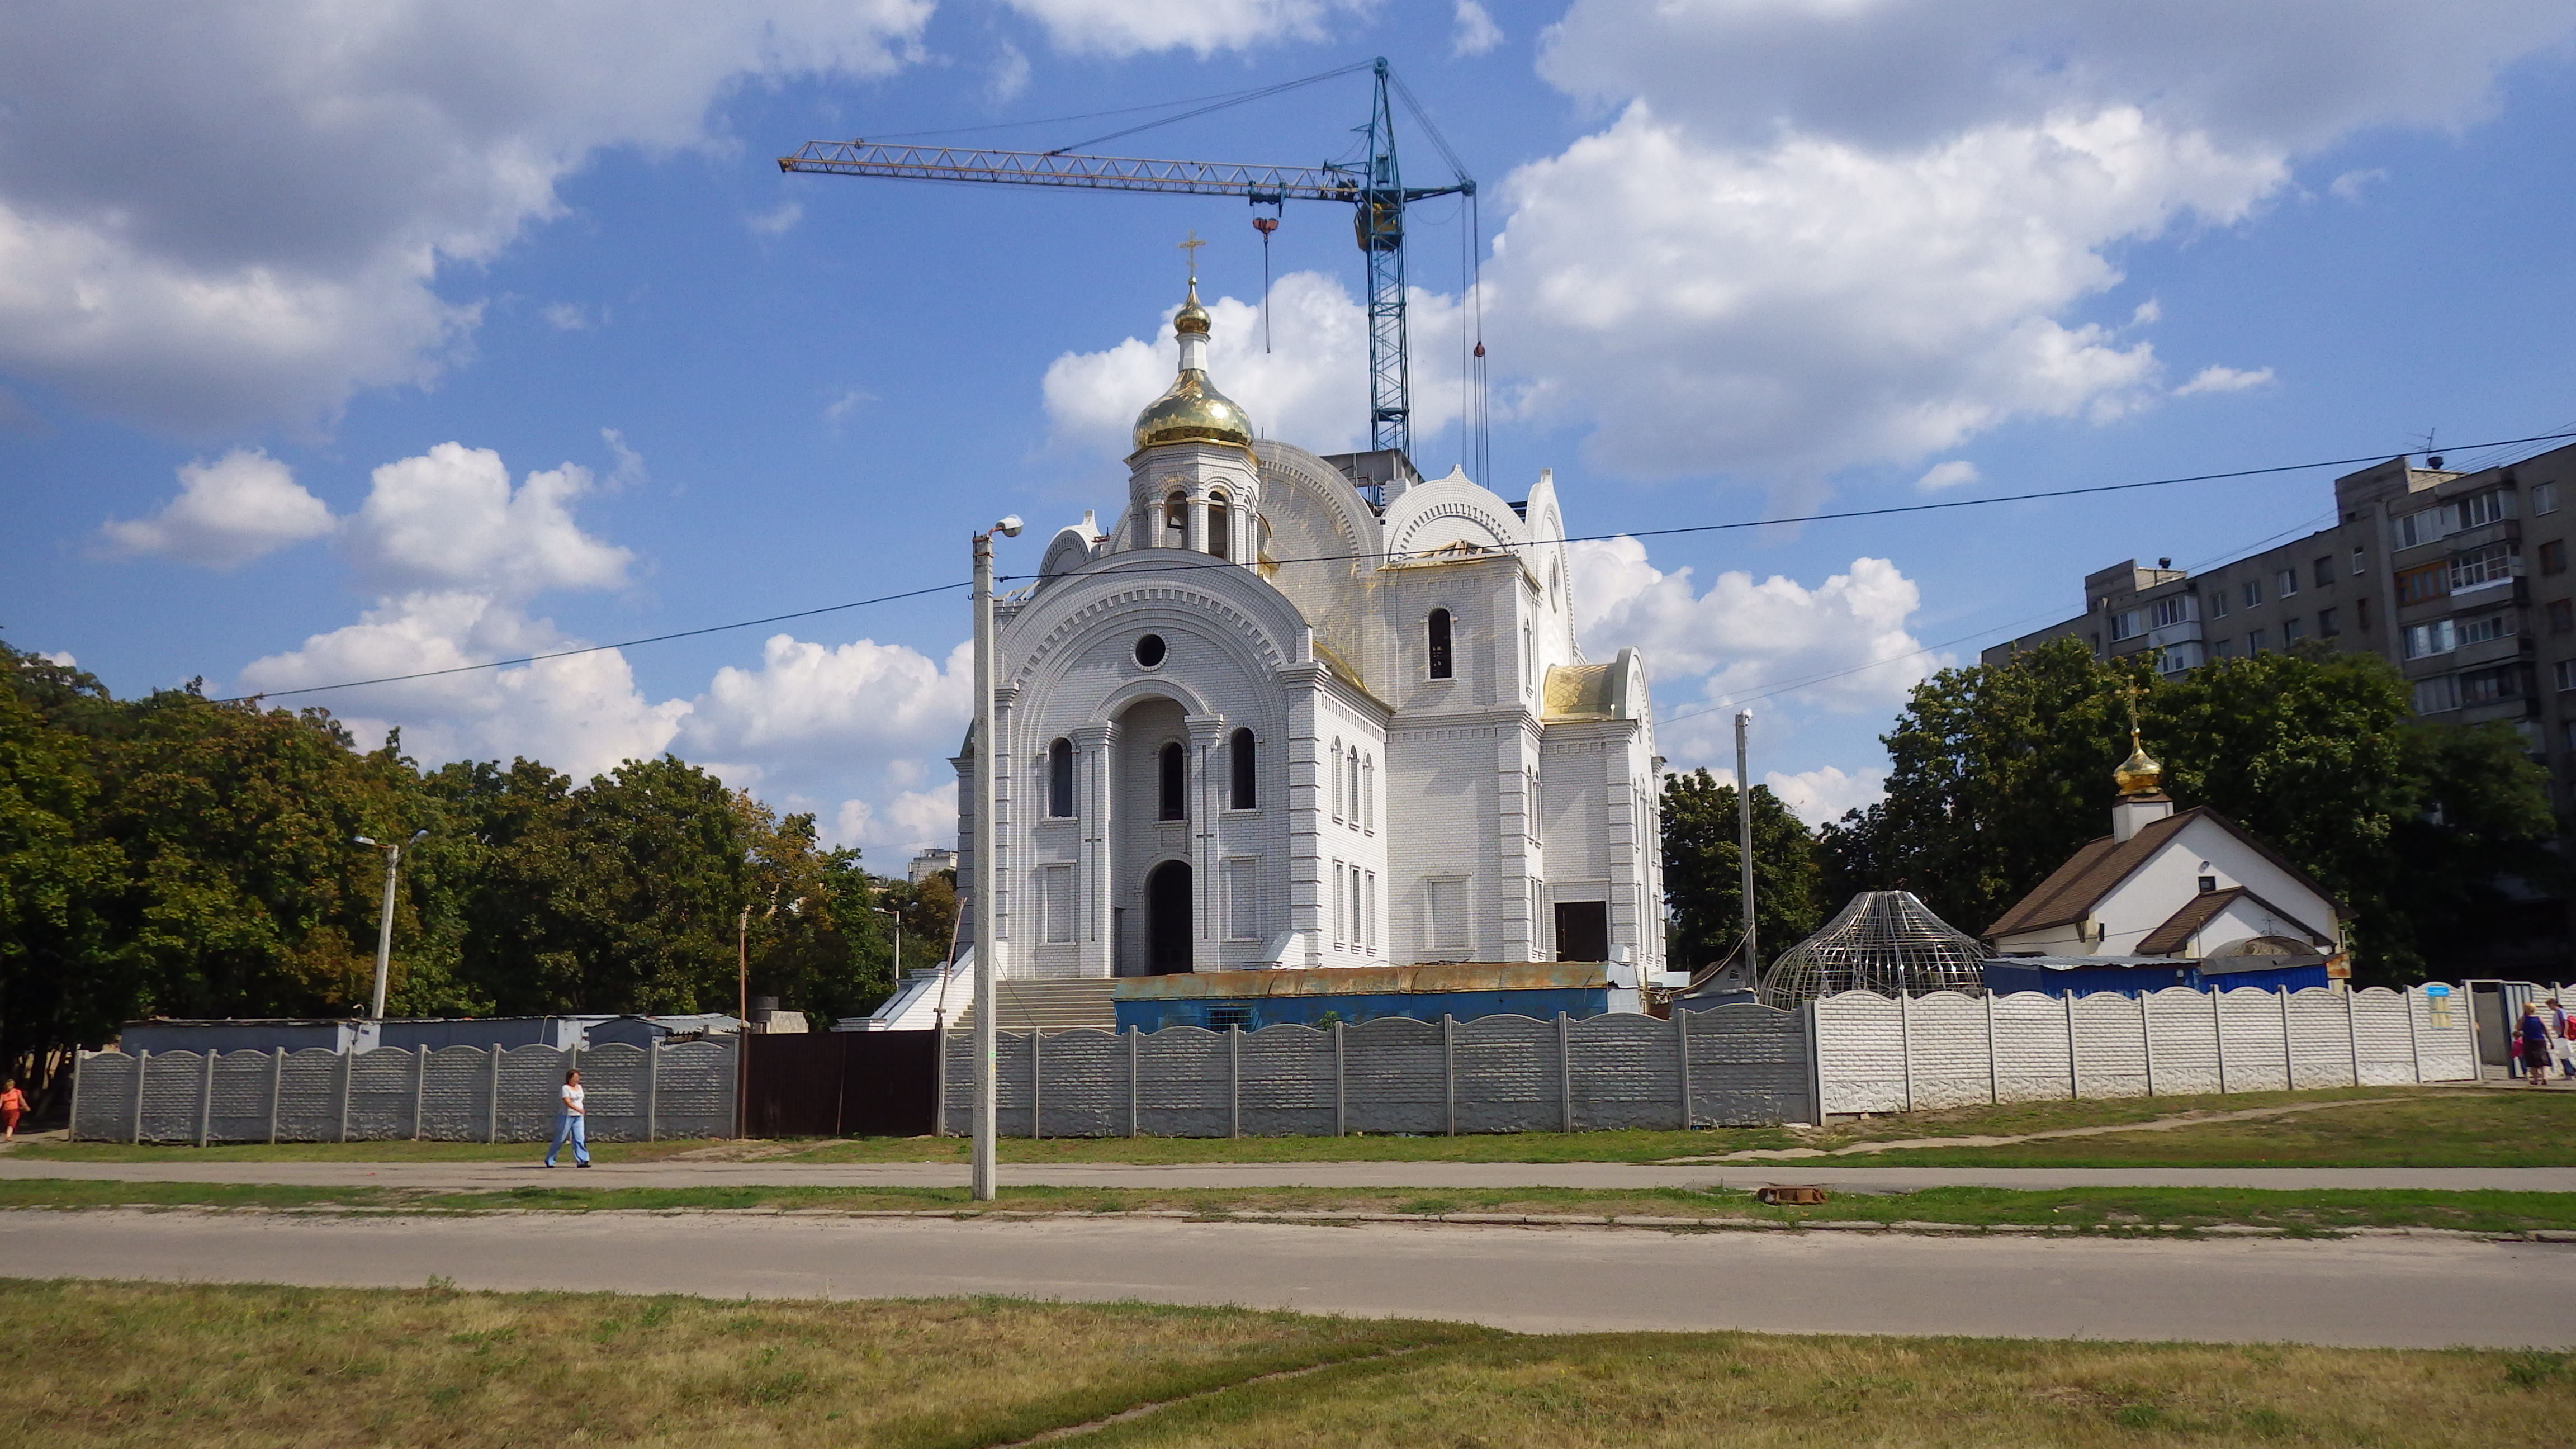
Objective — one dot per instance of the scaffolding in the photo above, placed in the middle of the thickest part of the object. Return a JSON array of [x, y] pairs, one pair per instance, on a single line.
[[1883, 941]]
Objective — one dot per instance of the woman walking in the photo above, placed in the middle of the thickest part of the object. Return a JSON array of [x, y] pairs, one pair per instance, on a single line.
[[13, 1105], [572, 1125]]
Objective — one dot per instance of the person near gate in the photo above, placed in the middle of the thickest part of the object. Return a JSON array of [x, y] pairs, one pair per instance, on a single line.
[[2535, 1047], [13, 1105], [572, 1126]]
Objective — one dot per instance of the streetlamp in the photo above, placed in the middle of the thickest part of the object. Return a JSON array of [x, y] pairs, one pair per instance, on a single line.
[[988, 758], [895, 915], [385, 922]]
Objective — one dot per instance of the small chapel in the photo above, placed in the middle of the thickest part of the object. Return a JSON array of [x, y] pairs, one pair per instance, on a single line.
[[1299, 712]]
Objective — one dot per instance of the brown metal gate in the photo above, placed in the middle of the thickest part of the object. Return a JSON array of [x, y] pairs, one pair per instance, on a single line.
[[839, 1084]]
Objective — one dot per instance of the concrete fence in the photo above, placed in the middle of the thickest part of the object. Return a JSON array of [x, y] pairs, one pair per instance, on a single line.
[[1876, 1054], [448, 1094], [1731, 1066]]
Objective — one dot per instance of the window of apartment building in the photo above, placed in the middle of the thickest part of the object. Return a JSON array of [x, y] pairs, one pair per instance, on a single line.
[[2169, 611], [2293, 630], [2563, 674], [2286, 583], [2429, 582], [2486, 686], [2495, 565], [2253, 641], [2562, 616], [2432, 696], [2544, 498], [2222, 649], [2361, 615], [2493, 506], [2422, 641], [2553, 556], [2253, 592], [2360, 563], [2328, 625], [2217, 600], [2325, 570], [2567, 733], [2422, 526], [2124, 625], [2485, 627]]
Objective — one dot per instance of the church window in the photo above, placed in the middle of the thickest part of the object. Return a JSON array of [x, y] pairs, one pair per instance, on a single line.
[[1351, 766], [1439, 630], [1149, 650], [1368, 909], [1529, 658], [1175, 792], [1220, 526], [1241, 757], [1176, 520], [1060, 779], [1337, 782], [1368, 793], [1338, 873]]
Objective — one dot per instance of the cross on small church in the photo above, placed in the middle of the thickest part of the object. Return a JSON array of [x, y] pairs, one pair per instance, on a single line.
[[1192, 247]]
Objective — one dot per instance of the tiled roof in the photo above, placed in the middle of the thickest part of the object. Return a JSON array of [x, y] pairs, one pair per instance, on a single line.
[[2178, 929], [2072, 890]]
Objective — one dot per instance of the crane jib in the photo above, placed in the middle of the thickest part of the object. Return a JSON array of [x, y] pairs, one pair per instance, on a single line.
[[1116, 173]]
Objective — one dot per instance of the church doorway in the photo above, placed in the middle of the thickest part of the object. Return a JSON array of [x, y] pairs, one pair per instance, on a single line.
[[1582, 931], [1167, 918]]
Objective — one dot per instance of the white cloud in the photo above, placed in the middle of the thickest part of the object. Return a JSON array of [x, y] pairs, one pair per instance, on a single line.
[[1311, 388], [1131, 27], [1822, 795], [239, 217], [630, 468], [1010, 74], [566, 317], [848, 402], [228, 512], [1948, 475], [450, 519], [777, 222], [2225, 379], [2351, 184], [1841, 645], [1475, 31], [62, 657], [1827, 232], [813, 702]]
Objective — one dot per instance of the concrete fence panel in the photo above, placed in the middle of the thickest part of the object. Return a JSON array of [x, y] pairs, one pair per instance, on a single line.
[[1748, 1066], [2253, 1040], [1860, 1054], [2383, 1038], [1627, 1073], [2034, 1060], [2321, 1044], [1948, 1057], [318, 1095]]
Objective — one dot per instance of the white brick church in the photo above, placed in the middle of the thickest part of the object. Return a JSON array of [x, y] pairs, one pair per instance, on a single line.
[[1294, 711]]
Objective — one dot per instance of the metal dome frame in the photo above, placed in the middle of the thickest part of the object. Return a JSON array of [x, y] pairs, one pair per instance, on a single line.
[[1883, 941]]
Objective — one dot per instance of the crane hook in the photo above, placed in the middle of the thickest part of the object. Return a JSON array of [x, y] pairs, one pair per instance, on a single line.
[[1265, 225]]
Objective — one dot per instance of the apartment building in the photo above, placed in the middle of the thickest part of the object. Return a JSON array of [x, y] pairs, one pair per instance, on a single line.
[[2459, 577]]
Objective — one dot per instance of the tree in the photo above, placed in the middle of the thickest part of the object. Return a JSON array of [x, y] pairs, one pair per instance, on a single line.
[[2001, 772], [1703, 877], [815, 943], [60, 978]]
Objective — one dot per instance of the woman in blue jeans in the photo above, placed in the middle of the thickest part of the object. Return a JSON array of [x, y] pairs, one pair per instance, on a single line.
[[570, 1126]]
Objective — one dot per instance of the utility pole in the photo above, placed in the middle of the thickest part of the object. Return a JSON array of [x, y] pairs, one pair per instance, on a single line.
[[1744, 830], [385, 919], [988, 765]]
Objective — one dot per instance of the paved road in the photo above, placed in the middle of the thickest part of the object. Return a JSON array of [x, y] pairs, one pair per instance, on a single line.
[[2368, 1292], [485, 1175]]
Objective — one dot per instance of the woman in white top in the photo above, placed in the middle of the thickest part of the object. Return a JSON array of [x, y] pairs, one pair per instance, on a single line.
[[570, 1127]]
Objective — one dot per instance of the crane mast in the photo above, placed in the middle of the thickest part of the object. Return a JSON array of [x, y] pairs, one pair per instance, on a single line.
[[1374, 188]]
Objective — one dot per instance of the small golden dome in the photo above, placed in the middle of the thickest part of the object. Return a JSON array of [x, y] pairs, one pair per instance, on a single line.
[[1193, 411], [1193, 317], [2139, 774]]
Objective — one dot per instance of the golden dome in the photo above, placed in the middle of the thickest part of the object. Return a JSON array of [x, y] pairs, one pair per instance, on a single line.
[[2139, 774], [1192, 410]]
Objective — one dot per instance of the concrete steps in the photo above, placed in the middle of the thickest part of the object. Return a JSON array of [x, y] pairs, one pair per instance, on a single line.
[[1080, 1001]]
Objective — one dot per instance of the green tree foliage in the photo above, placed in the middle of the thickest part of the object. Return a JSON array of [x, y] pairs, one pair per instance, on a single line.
[[178, 856], [2000, 773], [1703, 877]]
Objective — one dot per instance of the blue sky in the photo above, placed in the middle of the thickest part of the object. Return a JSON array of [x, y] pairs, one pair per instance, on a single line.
[[352, 340]]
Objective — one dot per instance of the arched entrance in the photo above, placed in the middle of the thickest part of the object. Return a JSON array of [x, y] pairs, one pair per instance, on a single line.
[[1167, 918]]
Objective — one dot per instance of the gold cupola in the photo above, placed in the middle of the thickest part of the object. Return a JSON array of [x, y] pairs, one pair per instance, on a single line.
[[1192, 410], [2139, 774]]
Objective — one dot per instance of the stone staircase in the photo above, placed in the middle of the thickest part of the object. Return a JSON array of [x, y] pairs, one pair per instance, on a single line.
[[1078, 1001]]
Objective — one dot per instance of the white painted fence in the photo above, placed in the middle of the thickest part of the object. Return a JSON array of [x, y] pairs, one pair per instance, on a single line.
[[1877, 1054]]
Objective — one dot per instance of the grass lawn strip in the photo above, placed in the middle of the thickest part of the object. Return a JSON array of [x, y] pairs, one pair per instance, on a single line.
[[1955, 1140], [2118, 1211], [2434, 1126], [309, 1368]]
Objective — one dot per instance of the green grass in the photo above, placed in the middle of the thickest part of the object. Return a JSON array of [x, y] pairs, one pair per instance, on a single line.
[[2114, 1210], [111, 1364]]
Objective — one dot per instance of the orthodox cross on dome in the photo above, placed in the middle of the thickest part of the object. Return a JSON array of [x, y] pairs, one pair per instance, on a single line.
[[2139, 774], [1192, 247]]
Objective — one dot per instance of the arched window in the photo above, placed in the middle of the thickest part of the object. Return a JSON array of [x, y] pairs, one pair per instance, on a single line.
[[1439, 630], [1529, 658], [1241, 759], [1220, 526], [1176, 519], [1060, 779], [1368, 794], [1175, 792], [1351, 773], [1337, 780]]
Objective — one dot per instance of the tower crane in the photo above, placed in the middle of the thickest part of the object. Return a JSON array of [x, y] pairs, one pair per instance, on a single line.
[[1373, 187]]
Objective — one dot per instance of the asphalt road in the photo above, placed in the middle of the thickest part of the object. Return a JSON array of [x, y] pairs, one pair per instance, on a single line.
[[2410, 1293], [451, 1176]]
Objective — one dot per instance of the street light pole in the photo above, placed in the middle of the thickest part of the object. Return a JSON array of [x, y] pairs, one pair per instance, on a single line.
[[385, 919], [988, 765], [1744, 831]]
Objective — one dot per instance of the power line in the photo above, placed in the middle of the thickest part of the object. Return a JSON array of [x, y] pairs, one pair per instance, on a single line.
[[1356, 557]]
